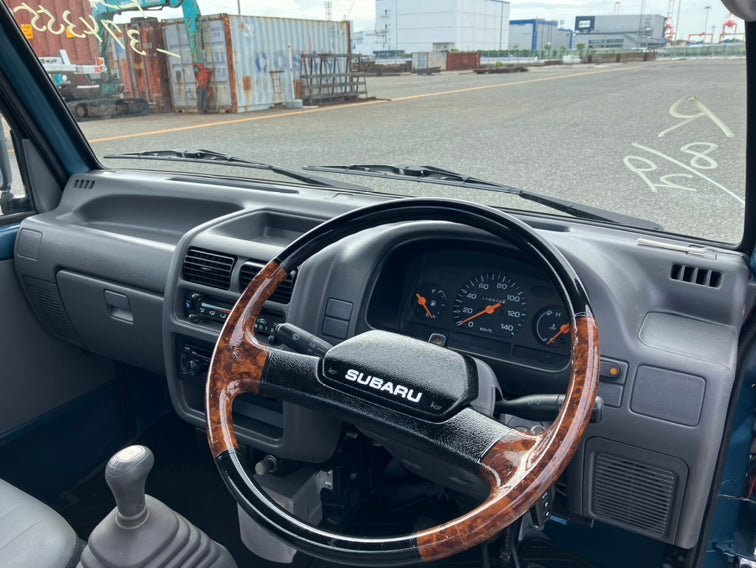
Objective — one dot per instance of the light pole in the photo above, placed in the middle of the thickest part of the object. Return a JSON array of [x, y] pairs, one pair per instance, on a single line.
[[677, 25], [706, 25], [501, 25]]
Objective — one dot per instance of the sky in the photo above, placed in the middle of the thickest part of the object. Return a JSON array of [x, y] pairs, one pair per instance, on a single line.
[[693, 13]]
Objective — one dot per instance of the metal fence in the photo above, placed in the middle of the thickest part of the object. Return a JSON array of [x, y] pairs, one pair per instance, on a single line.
[[735, 49], [706, 50]]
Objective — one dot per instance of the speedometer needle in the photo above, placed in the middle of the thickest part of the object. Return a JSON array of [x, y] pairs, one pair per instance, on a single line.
[[489, 310], [424, 303]]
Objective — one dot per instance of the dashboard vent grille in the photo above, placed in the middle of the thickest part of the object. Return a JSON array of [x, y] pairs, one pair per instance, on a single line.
[[83, 183], [633, 494], [282, 294], [208, 268], [696, 275]]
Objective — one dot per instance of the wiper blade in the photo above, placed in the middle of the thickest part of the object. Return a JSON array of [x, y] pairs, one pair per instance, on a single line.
[[200, 156], [438, 176]]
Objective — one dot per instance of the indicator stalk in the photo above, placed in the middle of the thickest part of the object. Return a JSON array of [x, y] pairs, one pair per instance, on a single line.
[[300, 340], [542, 407]]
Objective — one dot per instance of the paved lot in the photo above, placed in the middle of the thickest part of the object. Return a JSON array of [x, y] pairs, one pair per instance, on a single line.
[[613, 136]]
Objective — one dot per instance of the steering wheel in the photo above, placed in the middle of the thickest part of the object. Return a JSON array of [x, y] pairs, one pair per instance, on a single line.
[[402, 387]]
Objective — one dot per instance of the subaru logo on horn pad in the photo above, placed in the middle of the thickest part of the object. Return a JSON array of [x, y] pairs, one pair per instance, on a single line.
[[401, 373], [379, 384]]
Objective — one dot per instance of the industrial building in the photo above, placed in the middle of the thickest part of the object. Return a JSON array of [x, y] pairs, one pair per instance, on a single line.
[[409, 26], [621, 32], [538, 34]]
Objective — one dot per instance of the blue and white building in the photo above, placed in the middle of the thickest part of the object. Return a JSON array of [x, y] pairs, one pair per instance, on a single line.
[[539, 34]]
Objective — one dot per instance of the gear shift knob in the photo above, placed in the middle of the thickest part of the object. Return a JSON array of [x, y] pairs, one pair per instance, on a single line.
[[126, 475]]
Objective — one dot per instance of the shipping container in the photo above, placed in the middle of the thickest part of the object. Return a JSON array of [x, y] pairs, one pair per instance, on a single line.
[[148, 74], [461, 60], [55, 25], [249, 59], [429, 60]]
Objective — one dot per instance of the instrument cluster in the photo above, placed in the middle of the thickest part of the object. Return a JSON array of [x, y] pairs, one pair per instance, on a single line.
[[492, 304]]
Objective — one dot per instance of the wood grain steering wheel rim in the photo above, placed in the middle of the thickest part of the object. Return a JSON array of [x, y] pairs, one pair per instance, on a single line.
[[518, 467]]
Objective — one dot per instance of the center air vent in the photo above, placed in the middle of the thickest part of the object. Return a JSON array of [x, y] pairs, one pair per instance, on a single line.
[[282, 293], [696, 275], [208, 268]]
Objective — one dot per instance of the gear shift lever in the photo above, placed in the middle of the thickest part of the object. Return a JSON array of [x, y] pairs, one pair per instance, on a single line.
[[142, 531], [126, 475]]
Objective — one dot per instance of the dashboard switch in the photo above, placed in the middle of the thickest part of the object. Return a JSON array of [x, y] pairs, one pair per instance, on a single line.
[[613, 371], [335, 328], [338, 309], [612, 394]]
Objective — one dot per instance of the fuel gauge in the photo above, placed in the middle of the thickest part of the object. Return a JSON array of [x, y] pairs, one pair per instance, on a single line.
[[552, 326], [429, 301]]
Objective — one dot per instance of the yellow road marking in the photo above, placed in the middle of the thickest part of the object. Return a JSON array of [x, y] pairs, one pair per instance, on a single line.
[[512, 84], [236, 121], [353, 105]]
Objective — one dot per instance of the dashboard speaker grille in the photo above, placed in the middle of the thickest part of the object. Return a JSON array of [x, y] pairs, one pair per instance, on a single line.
[[282, 293], [633, 494], [45, 298], [696, 275], [208, 268]]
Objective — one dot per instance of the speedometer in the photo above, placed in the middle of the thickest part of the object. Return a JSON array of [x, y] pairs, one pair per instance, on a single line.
[[490, 304]]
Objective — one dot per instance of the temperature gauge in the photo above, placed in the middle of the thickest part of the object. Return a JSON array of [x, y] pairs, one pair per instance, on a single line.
[[429, 301], [552, 326]]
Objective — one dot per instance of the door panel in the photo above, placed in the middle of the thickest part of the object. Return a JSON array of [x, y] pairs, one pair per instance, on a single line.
[[39, 373]]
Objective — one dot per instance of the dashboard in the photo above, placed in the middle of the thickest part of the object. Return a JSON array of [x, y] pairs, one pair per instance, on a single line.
[[116, 277]]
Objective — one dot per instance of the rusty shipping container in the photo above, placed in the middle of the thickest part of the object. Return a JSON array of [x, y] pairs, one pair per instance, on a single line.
[[429, 60], [143, 68], [461, 60], [148, 74], [55, 25], [249, 58]]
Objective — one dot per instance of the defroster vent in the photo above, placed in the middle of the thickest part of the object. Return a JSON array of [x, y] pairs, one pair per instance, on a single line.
[[282, 293], [83, 183], [208, 268], [633, 494]]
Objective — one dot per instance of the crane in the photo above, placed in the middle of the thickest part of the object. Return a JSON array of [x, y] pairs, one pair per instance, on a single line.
[[729, 27], [669, 29]]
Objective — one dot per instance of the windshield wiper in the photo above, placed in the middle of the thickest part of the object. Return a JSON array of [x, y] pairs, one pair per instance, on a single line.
[[434, 175], [211, 157]]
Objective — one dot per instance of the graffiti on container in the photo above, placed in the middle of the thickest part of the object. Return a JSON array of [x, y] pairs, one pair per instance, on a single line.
[[44, 21], [696, 163], [261, 61]]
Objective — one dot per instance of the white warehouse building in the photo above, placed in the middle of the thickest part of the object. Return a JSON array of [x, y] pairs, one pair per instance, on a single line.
[[436, 25]]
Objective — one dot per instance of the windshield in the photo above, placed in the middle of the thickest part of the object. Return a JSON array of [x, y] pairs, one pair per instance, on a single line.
[[627, 108]]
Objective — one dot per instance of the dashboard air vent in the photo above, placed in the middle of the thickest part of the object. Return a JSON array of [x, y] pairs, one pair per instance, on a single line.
[[208, 268], [696, 275], [633, 494], [282, 294], [83, 183]]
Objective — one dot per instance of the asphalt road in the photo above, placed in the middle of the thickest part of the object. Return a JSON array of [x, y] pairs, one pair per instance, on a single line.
[[664, 141]]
